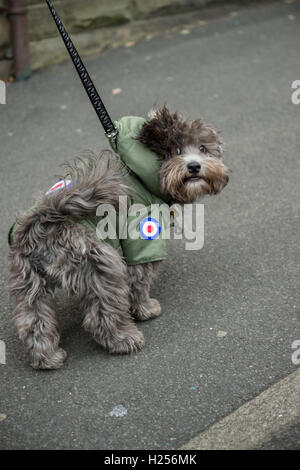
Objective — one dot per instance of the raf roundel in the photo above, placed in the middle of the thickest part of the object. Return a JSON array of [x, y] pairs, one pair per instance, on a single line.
[[61, 184], [150, 228]]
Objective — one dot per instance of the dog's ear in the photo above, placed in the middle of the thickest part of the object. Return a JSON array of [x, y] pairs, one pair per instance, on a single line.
[[197, 126], [208, 135], [159, 132]]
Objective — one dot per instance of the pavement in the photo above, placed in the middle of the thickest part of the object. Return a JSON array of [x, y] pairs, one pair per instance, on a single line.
[[230, 310], [261, 423]]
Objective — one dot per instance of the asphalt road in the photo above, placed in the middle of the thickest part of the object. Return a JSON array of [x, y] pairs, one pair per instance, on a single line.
[[236, 71]]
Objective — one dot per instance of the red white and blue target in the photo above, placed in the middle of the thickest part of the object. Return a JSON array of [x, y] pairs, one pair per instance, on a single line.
[[150, 228], [61, 184]]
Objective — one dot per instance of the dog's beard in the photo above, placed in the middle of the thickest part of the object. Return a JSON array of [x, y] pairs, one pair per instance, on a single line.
[[195, 188], [186, 188]]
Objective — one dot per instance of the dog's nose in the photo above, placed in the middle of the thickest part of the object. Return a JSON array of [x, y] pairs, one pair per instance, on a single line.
[[194, 167]]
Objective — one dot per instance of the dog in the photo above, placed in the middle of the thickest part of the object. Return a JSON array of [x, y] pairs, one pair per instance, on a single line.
[[53, 245]]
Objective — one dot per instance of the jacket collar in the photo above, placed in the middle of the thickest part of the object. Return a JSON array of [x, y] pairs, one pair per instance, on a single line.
[[136, 156]]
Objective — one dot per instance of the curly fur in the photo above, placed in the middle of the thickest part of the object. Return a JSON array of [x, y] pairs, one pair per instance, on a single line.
[[140, 279], [170, 137], [49, 250], [166, 132]]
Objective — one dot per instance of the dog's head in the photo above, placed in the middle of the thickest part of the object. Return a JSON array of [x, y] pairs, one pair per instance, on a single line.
[[190, 153]]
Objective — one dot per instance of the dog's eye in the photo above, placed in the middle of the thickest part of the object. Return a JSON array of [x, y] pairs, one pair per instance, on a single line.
[[203, 149], [178, 151]]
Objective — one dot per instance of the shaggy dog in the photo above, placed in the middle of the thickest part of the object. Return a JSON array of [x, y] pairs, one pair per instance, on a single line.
[[50, 249]]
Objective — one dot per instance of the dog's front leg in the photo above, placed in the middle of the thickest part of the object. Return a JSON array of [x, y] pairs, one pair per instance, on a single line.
[[143, 307]]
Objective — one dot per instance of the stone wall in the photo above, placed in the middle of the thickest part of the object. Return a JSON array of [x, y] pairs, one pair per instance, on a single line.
[[94, 25], [5, 64]]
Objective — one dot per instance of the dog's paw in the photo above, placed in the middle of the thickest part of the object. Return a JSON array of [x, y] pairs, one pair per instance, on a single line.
[[55, 361], [131, 343], [151, 309]]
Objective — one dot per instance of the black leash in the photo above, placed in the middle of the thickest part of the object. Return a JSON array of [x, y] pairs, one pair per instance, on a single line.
[[109, 128]]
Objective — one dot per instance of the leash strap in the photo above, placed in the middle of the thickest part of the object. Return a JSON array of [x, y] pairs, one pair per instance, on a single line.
[[109, 128]]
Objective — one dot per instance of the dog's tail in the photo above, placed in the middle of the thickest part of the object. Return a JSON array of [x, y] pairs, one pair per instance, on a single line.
[[90, 182]]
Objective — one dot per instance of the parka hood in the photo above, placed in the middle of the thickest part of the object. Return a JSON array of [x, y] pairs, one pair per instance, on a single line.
[[136, 156]]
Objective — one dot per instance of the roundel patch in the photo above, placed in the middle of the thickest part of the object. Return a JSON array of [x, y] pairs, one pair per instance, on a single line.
[[150, 228], [61, 184]]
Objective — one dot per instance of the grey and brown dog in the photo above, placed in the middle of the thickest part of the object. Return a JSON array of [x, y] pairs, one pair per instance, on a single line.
[[48, 251]]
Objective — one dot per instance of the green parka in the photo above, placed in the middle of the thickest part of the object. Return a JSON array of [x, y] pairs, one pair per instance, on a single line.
[[142, 177]]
